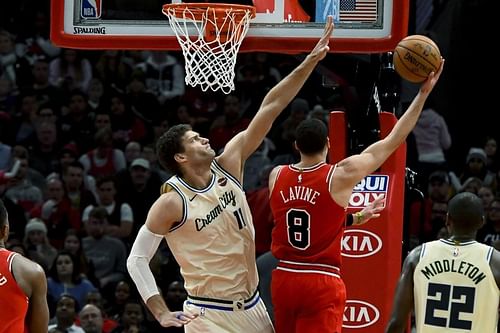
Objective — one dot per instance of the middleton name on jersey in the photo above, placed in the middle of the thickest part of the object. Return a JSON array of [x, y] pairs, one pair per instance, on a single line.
[[300, 193], [460, 267]]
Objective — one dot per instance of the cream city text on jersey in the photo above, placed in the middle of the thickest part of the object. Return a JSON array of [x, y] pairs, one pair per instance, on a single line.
[[300, 193], [454, 266], [225, 200]]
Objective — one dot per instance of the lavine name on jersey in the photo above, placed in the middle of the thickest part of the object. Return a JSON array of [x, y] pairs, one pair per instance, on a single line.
[[225, 200], [369, 189], [300, 193], [446, 265]]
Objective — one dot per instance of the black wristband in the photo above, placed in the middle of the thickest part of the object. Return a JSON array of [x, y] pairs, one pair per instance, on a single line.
[[349, 220]]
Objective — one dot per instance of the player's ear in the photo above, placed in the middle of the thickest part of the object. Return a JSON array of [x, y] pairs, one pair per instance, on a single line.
[[179, 158], [4, 232], [295, 146]]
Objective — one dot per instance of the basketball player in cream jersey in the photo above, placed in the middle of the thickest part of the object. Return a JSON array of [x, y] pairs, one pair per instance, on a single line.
[[451, 284], [204, 216]]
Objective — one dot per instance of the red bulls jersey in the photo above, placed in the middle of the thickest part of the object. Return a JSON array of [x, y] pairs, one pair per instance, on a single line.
[[308, 223], [13, 301]]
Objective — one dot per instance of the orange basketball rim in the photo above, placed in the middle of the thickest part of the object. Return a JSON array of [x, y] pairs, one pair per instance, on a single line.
[[219, 18]]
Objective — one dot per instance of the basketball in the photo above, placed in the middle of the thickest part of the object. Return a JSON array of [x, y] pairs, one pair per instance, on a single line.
[[415, 57]]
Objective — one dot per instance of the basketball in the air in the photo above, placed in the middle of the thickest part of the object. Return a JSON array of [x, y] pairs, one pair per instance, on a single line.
[[415, 57]]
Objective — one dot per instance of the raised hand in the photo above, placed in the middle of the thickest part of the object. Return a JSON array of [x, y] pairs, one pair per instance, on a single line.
[[432, 79], [371, 211], [322, 48]]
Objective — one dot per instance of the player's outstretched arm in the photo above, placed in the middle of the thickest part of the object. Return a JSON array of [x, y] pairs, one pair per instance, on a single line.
[[403, 298], [246, 142], [358, 166], [163, 213]]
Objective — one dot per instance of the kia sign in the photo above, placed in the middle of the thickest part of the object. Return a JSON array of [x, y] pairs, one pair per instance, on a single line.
[[358, 243], [369, 189], [359, 314]]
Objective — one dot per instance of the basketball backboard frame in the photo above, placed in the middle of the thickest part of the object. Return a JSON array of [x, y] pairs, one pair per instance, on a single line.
[[70, 30]]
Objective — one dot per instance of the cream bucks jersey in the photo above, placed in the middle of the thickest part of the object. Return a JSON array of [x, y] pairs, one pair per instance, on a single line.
[[454, 288], [214, 242]]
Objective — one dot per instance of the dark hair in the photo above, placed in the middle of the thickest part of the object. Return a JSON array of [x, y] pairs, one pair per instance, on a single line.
[[311, 136], [99, 213], [3, 214], [169, 144], [105, 179], [76, 275], [67, 295], [75, 164], [466, 211]]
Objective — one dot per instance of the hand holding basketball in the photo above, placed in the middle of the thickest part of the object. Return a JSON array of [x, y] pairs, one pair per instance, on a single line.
[[415, 57]]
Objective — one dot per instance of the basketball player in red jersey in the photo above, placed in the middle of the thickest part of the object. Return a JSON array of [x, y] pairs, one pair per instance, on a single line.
[[23, 289], [308, 201]]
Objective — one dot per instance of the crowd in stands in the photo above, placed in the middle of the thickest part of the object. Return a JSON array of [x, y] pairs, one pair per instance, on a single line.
[[78, 169]]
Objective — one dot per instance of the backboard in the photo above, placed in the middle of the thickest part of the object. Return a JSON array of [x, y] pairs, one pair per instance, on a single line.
[[280, 26]]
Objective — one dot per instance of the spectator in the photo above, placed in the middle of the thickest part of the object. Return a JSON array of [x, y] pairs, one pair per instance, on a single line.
[[70, 71], [103, 160], [79, 195], [490, 148], [126, 125], [25, 118], [112, 69], [57, 213], [77, 123], [44, 152], [490, 232], [131, 319], [65, 277], [164, 76], [38, 245], [475, 166], [149, 153], [120, 216], [107, 254], [36, 43], [44, 91], [95, 94], [73, 245], [66, 309], [229, 124], [91, 319], [424, 224], [20, 189], [120, 297], [486, 194], [15, 69], [95, 298], [138, 187], [433, 140], [132, 151]]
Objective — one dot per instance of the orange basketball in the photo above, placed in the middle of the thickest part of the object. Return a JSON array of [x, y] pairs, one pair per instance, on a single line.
[[415, 57]]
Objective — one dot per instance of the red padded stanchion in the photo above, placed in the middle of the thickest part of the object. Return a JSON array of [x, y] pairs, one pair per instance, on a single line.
[[371, 253]]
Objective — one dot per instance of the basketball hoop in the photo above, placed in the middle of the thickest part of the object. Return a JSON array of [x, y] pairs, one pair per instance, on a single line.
[[210, 37]]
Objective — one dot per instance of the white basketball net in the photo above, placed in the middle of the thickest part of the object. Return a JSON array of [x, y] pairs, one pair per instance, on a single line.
[[209, 62]]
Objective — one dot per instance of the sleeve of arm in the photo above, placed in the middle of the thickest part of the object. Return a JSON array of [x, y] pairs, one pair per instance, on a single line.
[[144, 248]]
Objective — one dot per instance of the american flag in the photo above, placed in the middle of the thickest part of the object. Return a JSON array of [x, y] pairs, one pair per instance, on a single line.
[[358, 10]]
